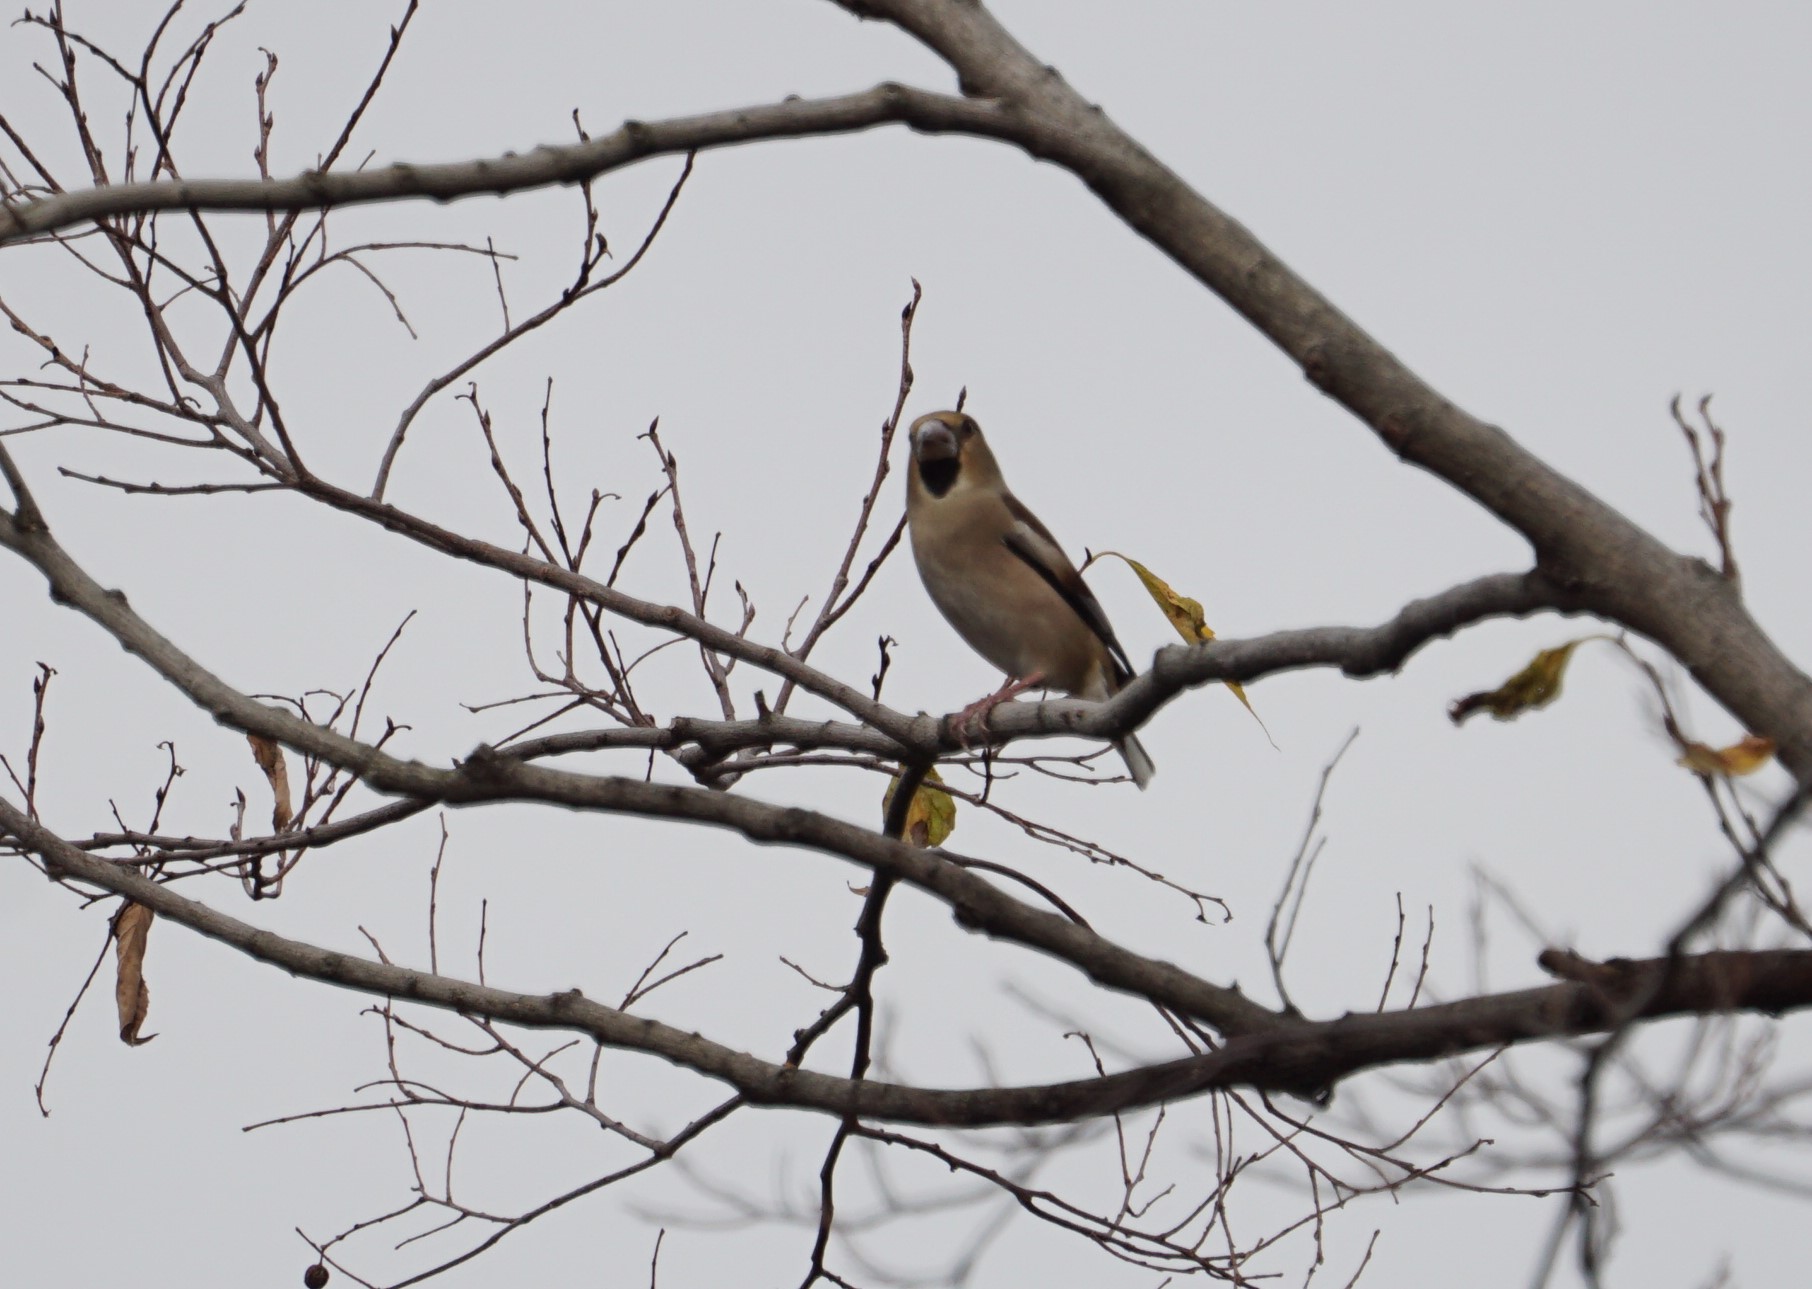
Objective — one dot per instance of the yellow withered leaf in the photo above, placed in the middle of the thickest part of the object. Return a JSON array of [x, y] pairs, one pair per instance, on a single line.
[[1533, 687], [1183, 613], [269, 756], [1186, 616], [1747, 755], [130, 927], [932, 816]]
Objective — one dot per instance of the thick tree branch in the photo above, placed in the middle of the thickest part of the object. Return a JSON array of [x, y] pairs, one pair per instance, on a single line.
[[1615, 568], [489, 776], [1588, 559], [1357, 651], [1612, 566], [1302, 1057], [543, 166]]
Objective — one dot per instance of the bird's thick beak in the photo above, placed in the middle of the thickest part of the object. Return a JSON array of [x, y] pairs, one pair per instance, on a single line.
[[934, 442]]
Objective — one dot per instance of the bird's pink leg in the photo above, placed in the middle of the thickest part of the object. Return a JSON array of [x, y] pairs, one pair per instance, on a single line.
[[976, 713]]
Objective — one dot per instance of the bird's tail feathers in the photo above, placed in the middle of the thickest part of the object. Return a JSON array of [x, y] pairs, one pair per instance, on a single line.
[[1138, 763]]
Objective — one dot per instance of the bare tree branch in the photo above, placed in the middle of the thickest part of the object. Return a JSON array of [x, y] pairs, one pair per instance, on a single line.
[[542, 167], [1608, 564], [1306, 1058], [218, 389]]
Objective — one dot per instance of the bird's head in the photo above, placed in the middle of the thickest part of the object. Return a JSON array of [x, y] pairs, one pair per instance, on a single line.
[[948, 451]]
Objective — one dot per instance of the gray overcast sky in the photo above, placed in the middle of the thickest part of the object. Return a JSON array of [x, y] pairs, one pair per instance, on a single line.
[[1561, 215]]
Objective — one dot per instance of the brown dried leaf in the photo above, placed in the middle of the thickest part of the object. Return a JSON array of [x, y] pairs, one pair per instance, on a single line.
[[130, 927], [1533, 687], [1747, 755], [269, 756]]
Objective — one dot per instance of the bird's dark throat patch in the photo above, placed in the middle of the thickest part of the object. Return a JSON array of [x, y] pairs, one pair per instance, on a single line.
[[939, 476]]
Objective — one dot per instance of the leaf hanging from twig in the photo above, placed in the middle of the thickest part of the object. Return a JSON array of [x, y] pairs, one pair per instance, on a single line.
[[1747, 755], [1190, 622], [1530, 689], [932, 816], [130, 927], [269, 756]]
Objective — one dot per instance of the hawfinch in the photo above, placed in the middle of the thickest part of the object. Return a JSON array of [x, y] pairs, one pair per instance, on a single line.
[[1002, 581]]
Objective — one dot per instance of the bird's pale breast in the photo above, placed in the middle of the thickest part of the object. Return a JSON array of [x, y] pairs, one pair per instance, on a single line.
[[1000, 607]]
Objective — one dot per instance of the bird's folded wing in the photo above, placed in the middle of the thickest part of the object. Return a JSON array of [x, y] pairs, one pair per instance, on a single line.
[[1032, 542]]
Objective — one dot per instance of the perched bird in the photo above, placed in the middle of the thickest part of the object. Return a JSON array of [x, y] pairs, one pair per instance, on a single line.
[[1001, 579]]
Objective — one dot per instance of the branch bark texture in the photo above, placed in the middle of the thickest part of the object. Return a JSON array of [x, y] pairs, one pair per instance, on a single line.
[[1302, 1057], [1610, 565]]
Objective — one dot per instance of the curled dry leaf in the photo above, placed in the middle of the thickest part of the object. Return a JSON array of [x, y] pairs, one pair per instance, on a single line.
[[130, 927], [1188, 619], [932, 817], [269, 756], [1747, 755], [1533, 687], [1538, 684]]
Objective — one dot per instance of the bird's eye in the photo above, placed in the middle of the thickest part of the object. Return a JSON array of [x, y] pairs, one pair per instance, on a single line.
[[968, 427]]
